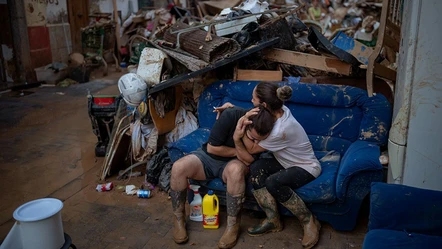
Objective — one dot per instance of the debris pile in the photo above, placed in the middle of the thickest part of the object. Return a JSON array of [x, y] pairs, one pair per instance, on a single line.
[[177, 51]]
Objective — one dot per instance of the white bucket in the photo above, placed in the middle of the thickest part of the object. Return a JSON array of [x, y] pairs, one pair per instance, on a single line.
[[38, 226]]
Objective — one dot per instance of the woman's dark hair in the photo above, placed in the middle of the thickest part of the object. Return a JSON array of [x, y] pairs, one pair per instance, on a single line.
[[262, 122], [273, 95]]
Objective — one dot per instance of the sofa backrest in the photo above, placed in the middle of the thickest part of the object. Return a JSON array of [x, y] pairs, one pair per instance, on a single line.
[[333, 116]]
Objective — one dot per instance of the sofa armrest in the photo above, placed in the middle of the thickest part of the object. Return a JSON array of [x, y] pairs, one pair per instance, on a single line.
[[404, 208], [187, 144], [361, 156]]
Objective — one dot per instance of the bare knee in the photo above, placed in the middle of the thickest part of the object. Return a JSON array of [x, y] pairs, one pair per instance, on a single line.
[[234, 172], [179, 168], [188, 167]]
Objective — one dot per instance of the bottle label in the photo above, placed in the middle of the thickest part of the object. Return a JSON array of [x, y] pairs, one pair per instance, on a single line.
[[196, 210], [210, 220]]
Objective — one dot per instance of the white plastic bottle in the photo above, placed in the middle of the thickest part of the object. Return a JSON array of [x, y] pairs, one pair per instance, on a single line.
[[196, 210]]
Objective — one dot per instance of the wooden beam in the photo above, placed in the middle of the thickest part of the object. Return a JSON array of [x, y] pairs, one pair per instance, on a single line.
[[117, 29], [391, 42], [261, 75], [385, 72], [24, 71], [308, 60]]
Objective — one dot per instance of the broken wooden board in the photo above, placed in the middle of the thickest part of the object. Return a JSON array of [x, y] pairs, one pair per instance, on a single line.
[[259, 75], [318, 62], [385, 72], [167, 123]]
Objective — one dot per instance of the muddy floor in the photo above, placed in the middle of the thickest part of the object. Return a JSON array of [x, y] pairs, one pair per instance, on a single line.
[[47, 150]]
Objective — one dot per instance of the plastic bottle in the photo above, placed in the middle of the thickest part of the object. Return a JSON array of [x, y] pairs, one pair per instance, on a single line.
[[196, 213], [210, 210]]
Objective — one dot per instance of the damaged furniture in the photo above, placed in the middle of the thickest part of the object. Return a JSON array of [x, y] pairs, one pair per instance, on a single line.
[[404, 217], [389, 37], [346, 129]]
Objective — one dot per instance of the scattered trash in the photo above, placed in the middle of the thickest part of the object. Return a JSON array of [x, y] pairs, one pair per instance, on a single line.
[[52, 73], [121, 187], [67, 82], [143, 193], [131, 190], [104, 187], [156, 165]]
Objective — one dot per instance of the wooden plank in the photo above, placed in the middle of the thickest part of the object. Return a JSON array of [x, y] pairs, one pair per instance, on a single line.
[[264, 75], [117, 29], [394, 27], [384, 72], [391, 42], [308, 60]]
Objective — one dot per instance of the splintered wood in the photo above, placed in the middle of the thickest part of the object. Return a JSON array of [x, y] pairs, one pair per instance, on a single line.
[[323, 63]]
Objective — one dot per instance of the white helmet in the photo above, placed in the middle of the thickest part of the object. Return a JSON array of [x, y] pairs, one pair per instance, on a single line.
[[133, 88]]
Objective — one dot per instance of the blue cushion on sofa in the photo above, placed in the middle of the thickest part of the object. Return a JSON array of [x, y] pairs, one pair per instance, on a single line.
[[188, 143], [392, 239], [322, 189]]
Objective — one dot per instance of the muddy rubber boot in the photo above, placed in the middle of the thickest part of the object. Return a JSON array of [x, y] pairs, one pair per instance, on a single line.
[[178, 206], [308, 221], [271, 223], [230, 236]]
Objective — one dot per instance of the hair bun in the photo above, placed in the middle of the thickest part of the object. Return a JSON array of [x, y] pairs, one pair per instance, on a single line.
[[284, 93]]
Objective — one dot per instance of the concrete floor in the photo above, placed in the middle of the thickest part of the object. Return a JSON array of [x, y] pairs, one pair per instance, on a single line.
[[47, 150]]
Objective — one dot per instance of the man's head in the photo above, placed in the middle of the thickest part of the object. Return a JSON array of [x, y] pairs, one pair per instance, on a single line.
[[261, 126]]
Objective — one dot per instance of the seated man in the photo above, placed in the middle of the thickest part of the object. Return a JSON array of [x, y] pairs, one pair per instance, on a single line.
[[219, 157]]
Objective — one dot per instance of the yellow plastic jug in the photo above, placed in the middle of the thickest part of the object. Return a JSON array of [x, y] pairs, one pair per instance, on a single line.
[[210, 210]]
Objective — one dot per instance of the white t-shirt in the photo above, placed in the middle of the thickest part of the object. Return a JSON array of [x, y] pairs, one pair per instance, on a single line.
[[290, 144]]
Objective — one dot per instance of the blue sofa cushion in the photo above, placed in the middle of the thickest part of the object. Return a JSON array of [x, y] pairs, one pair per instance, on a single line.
[[376, 120], [360, 156], [392, 239], [322, 189], [187, 144], [327, 143], [399, 207]]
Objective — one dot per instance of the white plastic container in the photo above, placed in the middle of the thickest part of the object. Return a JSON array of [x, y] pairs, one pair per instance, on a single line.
[[150, 65], [38, 226], [196, 210]]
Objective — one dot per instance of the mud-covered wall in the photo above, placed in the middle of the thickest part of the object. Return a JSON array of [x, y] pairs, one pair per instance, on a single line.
[[48, 23]]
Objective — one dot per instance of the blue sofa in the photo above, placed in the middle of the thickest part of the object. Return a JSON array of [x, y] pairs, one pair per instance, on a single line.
[[403, 217], [345, 127]]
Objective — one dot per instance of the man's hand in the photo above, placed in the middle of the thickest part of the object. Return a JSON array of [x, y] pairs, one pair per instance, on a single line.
[[252, 112], [222, 108], [240, 129]]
